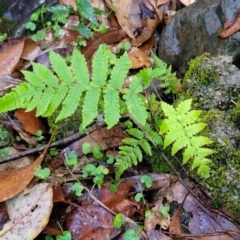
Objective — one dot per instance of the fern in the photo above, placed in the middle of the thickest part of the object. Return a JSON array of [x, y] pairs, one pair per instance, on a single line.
[[71, 85], [181, 128], [131, 153], [168, 80]]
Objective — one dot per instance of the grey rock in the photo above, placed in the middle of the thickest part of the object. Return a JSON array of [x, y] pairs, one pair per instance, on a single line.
[[194, 30]]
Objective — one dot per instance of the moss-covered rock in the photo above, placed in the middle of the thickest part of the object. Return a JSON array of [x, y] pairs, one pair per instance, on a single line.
[[214, 85]]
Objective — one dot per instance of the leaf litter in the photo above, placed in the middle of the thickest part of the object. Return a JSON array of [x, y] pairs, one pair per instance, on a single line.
[[84, 217]]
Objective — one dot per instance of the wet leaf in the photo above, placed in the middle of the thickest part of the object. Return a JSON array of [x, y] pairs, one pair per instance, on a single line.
[[29, 213]]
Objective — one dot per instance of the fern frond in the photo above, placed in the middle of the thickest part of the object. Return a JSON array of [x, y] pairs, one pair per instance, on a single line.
[[180, 129], [134, 102]]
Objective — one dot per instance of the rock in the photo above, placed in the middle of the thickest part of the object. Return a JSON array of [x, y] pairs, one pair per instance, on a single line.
[[194, 30]]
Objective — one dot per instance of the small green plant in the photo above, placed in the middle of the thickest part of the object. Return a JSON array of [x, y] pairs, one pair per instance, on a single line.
[[98, 173], [72, 159], [118, 220], [66, 235], [42, 173], [165, 210], [181, 127], [78, 188], [131, 234]]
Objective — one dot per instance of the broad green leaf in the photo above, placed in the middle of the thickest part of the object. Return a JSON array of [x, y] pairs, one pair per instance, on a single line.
[[33, 79], [168, 110]]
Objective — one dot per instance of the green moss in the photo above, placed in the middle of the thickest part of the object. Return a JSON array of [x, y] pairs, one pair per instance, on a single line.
[[197, 71], [67, 126]]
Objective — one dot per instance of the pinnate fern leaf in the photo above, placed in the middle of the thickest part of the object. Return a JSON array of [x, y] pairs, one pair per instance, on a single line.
[[181, 129]]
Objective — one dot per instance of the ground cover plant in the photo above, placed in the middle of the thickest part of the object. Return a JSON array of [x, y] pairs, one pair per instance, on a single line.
[[120, 113]]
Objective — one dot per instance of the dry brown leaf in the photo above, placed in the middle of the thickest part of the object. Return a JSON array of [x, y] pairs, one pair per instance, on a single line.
[[30, 122], [138, 58], [14, 181], [10, 58], [31, 50], [111, 36], [128, 14], [4, 216], [29, 213], [90, 222]]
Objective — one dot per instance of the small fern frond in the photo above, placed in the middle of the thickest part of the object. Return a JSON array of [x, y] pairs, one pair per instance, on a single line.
[[134, 102], [180, 129]]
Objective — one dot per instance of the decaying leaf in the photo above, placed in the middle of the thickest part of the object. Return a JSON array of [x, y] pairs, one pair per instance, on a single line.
[[29, 213], [90, 222]]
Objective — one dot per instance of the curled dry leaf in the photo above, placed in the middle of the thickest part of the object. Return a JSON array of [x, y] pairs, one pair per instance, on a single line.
[[29, 213], [10, 58]]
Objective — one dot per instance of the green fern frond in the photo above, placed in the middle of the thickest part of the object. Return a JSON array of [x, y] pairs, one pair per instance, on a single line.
[[181, 129], [164, 74]]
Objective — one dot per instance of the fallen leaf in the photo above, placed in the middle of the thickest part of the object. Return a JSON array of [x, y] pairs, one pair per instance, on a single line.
[[90, 222], [29, 213], [111, 36], [139, 59], [31, 50], [10, 58], [14, 181], [30, 122], [128, 14]]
